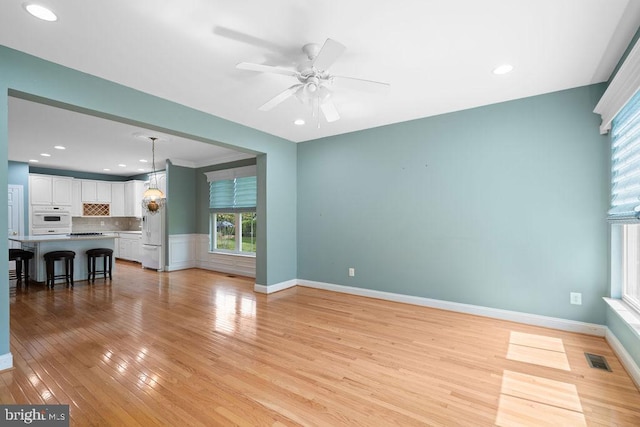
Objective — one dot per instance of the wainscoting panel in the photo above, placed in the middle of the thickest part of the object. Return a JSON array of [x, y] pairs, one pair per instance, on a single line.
[[182, 251], [226, 263]]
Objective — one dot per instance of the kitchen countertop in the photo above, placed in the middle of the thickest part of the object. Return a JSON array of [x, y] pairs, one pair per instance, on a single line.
[[59, 238]]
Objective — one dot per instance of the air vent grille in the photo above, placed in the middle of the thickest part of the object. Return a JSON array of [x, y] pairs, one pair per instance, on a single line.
[[598, 362], [95, 209]]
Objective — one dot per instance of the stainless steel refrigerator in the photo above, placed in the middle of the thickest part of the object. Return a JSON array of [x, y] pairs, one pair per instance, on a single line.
[[152, 255]]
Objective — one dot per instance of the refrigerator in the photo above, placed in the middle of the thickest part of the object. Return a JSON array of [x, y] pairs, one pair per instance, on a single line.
[[152, 248]]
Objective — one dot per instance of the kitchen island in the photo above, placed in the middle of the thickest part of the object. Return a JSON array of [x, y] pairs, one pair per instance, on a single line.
[[40, 245]]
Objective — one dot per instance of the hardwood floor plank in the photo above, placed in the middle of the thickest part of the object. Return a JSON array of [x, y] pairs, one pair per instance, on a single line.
[[199, 348]]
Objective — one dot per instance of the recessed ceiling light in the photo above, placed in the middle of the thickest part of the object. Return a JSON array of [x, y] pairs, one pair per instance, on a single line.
[[143, 161], [503, 69], [33, 161], [122, 165], [59, 147], [40, 12], [106, 169], [298, 122], [45, 154], [141, 169]]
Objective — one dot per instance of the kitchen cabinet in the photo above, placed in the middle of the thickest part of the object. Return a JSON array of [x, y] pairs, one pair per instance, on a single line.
[[133, 191], [129, 246], [76, 198], [50, 190], [117, 199], [96, 191]]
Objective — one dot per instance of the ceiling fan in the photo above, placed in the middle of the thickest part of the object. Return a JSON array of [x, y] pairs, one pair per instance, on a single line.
[[314, 79]]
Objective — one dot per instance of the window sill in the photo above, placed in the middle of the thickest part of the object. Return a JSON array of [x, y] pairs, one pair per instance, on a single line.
[[628, 315], [232, 254]]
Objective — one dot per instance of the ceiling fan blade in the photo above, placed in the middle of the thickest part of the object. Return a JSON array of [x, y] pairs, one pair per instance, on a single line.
[[330, 52], [329, 110], [266, 69], [279, 98], [361, 84], [251, 40]]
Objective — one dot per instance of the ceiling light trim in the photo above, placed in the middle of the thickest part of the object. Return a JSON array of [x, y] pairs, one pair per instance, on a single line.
[[41, 12], [503, 69]]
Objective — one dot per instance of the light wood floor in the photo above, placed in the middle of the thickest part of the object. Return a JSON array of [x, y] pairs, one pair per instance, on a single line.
[[199, 348]]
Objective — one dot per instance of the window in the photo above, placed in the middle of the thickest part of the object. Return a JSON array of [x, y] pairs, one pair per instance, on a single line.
[[631, 265], [232, 210], [231, 237], [625, 194]]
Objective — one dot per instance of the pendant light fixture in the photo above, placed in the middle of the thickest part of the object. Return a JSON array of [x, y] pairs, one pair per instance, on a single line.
[[153, 199]]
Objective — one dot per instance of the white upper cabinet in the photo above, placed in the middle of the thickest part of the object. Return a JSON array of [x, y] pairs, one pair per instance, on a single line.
[[40, 190], [125, 198], [96, 191], [50, 190], [117, 198], [133, 191], [76, 198]]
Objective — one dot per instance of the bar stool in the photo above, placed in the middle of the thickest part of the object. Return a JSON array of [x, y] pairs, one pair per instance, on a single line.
[[107, 257], [21, 257], [51, 257]]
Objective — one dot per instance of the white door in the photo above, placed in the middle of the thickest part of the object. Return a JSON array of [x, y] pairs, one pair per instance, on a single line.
[[16, 216]]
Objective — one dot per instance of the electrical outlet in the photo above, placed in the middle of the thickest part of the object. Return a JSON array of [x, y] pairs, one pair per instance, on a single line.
[[576, 298], [101, 222], [352, 272]]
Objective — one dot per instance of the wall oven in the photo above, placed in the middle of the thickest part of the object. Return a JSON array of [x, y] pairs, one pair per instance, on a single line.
[[50, 220]]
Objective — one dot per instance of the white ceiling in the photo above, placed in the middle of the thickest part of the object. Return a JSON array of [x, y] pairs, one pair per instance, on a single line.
[[437, 55], [93, 144]]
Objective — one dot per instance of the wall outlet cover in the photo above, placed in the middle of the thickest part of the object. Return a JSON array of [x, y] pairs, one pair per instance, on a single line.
[[576, 298]]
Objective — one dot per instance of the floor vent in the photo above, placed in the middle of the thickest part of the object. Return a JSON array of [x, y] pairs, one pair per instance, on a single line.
[[598, 362]]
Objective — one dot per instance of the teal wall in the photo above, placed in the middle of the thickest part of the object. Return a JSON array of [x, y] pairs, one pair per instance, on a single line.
[[500, 206], [181, 200], [78, 174], [202, 191], [31, 78]]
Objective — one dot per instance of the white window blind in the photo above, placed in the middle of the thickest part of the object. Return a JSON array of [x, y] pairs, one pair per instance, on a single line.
[[625, 166], [233, 190]]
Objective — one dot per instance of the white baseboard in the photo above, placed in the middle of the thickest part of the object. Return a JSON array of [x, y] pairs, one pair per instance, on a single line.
[[6, 361], [624, 356], [262, 289], [496, 313], [180, 266]]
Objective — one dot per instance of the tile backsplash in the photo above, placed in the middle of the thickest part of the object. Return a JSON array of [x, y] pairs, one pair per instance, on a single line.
[[81, 224]]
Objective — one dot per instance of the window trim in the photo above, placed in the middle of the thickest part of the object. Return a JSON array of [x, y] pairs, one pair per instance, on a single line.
[[213, 234], [634, 304]]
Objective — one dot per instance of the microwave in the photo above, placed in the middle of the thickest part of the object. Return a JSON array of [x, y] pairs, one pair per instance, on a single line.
[[50, 220]]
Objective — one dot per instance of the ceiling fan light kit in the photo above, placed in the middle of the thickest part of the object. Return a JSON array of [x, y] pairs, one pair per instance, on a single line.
[[314, 81]]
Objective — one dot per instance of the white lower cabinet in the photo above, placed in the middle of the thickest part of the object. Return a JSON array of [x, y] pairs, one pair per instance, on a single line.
[[129, 245]]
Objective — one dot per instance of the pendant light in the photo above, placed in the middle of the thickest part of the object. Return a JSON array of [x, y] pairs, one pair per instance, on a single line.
[[153, 199]]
